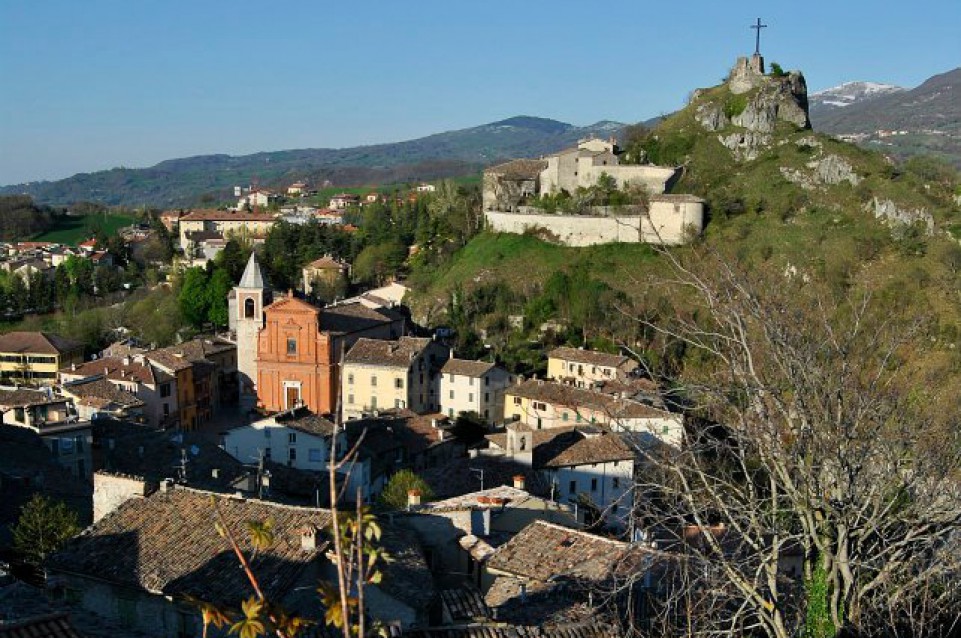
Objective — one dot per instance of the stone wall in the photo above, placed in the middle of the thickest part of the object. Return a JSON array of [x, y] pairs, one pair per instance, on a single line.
[[110, 491], [670, 221]]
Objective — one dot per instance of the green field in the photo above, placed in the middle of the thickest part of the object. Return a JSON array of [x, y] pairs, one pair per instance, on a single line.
[[73, 230]]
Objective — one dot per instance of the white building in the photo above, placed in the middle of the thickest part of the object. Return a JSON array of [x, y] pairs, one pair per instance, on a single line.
[[296, 438], [473, 386], [586, 464]]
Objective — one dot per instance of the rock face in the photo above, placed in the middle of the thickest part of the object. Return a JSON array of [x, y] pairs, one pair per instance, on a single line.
[[828, 170], [888, 211], [769, 99]]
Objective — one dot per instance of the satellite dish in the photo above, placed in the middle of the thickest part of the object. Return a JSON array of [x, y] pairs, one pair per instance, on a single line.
[[194, 450]]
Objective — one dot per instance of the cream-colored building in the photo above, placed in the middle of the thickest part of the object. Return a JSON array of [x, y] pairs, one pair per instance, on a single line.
[[326, 270], [473, 386], [543, 404], [33, 358], [584, 368], [402, 374], [200, 225]]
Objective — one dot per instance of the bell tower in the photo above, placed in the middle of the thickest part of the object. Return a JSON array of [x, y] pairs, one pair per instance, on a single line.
[[251, 295]]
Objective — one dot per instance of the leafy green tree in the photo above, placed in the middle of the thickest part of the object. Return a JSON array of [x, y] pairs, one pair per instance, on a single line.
[[233, 258], [376, 263], [395, 492], [193, 297], [217, 290], [43, 527]]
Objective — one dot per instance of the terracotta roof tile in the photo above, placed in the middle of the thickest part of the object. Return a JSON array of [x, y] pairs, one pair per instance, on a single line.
[[223, 215], [569, 396], [392, 354], [100, 393], [49, 626], [167, 543], [544, 550], [39, 342], [590, 357], [467, 367]]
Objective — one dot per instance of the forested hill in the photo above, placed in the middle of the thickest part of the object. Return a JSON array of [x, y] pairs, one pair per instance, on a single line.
[[188, 181]]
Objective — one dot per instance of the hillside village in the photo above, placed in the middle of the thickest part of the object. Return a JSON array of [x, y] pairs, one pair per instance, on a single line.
[[511, 500]]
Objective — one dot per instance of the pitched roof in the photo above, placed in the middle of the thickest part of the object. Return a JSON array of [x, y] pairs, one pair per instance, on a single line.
[[226, 216], [100, 393], [134, 370], [304, 421], [167, 543], [573, 397], [253, 277], [579, 449], [22, 397], [544, 550], [392, 354], [327, 262], [519, 168], [48, 626], [467, 367], [293, 304], [591, 357], [37, 342], [350, 317]]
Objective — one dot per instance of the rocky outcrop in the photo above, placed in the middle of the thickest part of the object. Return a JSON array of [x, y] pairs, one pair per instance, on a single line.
[[745, 146], [887, 210], [834, 170], [827, 171], [758, 103]]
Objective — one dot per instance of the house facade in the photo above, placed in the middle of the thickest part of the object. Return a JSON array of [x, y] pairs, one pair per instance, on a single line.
[[222, 224], [33, 358], [136, 375], [544, 404], [297, 438], [325, 271], [584, 368], [399, 374], [473, 386], [56, 421]]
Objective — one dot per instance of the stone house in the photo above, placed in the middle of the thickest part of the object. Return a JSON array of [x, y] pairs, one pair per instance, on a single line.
[[586, 465], [33, 358], [343, 200], [399, 374], [56, 421], [545, 404], [458, 533], [473, 386], [140, 563], [136, 375], [327, 271], [97, 397], [296, 437], [585, 368]]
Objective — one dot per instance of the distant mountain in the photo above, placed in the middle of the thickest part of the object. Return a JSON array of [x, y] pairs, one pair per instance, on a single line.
[[184, 182], [848, 94], [925, 119]]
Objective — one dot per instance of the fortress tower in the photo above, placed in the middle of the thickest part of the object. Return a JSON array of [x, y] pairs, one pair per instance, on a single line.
[[251, 295]]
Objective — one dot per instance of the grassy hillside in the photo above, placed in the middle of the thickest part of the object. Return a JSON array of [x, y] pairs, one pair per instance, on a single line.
[[772, 212], [73, 230]]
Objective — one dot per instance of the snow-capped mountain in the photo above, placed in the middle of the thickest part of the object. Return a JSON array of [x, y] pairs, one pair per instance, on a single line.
[[849, 93]]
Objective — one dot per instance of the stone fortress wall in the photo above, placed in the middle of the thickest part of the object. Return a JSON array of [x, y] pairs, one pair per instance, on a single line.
[[670, 220]]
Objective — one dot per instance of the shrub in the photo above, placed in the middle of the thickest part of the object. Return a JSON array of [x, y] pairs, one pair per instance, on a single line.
[[777, 71]]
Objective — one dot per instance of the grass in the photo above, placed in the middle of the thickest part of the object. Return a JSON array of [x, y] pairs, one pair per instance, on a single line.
[[73, 230]]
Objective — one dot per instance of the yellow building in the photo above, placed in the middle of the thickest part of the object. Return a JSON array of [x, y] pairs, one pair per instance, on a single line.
[[33, 358]]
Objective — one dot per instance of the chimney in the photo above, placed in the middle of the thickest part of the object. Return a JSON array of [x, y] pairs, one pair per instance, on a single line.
[[73, 366], [308, 538], [413, 499], [166, 485], [433, 423], [441, 435], [519, 482], [126, 360], [523, 593], [215, 473]]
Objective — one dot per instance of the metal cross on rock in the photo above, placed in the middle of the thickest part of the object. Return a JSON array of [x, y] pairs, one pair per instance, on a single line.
[[757, 39]]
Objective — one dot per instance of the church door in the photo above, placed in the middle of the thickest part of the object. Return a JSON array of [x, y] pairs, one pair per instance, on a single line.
[[293, 396]]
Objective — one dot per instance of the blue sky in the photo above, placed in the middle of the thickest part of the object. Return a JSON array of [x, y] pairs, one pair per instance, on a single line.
[[102, 83]]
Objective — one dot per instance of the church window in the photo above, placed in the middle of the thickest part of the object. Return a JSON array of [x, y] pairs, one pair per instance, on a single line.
[[249, 307], [291, 345]]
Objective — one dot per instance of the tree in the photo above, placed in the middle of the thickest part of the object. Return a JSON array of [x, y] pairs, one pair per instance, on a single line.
[[396, 491], [831, 442], [217, 291], [194, 299], [43, 527]]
